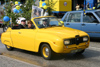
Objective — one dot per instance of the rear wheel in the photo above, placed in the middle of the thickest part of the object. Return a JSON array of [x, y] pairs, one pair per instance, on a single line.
[[80, 52], [46, 51], [9, 48], [5, 28]]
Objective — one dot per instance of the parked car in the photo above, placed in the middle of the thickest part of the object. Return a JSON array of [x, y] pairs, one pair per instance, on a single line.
[[88, 21], [53, 38]]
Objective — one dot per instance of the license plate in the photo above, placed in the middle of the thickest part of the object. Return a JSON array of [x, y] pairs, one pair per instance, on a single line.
[[77, 50]]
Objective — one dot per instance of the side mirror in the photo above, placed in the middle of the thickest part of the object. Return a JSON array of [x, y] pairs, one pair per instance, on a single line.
[[93, 8], [62, 22], [84, 12]]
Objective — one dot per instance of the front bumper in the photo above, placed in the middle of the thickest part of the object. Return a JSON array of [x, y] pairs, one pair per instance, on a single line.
[[69, 49]]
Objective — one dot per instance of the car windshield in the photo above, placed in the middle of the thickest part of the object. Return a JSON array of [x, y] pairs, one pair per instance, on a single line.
[[98, 13], [46, 22]]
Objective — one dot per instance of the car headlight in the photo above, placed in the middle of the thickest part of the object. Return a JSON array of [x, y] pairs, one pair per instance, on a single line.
[[67, 42], [85, 39]]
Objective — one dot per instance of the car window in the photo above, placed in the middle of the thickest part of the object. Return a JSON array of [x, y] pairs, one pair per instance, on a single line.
[[74, 17], [47, 22], [89, 18], [98, 13], [65, 19]]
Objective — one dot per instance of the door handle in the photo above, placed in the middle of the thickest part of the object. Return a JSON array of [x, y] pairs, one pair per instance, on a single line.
[[19, 32], [83, 24], [67, 24]]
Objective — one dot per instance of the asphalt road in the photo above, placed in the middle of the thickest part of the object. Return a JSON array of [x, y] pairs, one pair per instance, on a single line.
[[17, 57]]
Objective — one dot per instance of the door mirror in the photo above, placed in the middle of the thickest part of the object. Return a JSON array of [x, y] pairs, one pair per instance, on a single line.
[[84, 12], [62, 22]]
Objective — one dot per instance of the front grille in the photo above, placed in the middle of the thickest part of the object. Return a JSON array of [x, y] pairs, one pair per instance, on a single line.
[[77, 40]]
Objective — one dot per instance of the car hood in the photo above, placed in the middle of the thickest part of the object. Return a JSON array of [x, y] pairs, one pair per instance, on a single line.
[[63, 32]]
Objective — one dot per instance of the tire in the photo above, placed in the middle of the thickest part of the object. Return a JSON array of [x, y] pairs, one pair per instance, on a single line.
[[46, 51], [9, 48], [5, 28], [80, 52]]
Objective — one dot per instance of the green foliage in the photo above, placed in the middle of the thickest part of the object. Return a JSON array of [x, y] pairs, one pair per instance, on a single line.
[[26, 8], [51, 4]]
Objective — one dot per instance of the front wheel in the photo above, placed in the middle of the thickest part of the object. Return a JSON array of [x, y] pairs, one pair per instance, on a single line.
[[5, 28], [46, 51], [9, 48]]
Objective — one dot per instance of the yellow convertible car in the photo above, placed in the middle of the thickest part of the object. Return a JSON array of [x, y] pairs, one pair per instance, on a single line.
[[48, 36]]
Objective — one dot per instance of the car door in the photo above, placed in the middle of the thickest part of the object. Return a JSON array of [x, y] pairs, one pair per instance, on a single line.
[[24, 38], [91, 25], [73, 20]]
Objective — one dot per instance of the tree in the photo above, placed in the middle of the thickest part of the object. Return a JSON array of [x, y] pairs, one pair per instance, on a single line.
[[51, 4], [26, 8]]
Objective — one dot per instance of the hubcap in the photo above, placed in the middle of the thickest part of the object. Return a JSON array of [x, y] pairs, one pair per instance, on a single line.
[[8, 46], [45, 52], [5, 28]]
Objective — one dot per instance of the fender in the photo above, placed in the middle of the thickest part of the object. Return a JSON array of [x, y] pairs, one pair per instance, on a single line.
[[6, 38], [56, 46]]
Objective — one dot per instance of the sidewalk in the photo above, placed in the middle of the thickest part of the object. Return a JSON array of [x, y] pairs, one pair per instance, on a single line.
[[10, 62]]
